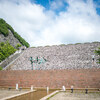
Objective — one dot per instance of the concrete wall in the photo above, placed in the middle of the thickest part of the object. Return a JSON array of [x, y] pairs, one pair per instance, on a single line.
[[80, 78]]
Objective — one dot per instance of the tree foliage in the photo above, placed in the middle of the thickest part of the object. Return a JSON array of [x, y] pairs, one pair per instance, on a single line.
[[6, 50], [18, 46], [1, 68], [4, 29], [98, 53]]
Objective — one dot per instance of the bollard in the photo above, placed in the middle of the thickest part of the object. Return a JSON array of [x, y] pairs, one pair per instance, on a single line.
[[9, 88], [47, 90], [31, 87], [63, 88], [71, 90], [17, 86], [86, 91]]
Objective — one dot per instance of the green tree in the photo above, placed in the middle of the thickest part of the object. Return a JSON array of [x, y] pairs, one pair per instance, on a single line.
[[2, 44], [3, 28], [6, 50], [2, 57], [1, 68], [98, 53], [18, 45]]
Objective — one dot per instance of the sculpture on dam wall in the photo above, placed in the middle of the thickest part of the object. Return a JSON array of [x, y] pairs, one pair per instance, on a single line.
[[38, 60]]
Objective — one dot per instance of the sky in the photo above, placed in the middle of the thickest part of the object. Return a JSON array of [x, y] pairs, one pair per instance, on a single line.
[[53, 22]]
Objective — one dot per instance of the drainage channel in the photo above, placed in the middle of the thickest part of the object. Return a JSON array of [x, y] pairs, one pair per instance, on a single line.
[[30, 95]]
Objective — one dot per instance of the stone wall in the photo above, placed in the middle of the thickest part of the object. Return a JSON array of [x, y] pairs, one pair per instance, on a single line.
[[79, 78], [75, 56], [8, 60]]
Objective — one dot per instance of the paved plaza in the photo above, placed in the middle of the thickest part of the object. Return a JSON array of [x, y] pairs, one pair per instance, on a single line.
[[76, 96]]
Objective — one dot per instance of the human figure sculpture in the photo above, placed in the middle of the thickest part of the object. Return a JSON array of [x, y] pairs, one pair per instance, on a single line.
[[93, 59], [63, 88], [86, 91], [31, 60], [72, 88], [47, 90], [37, 61]]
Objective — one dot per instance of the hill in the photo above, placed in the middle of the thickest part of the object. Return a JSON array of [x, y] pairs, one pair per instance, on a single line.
[[76, 56], [9, 41], [7, 33]]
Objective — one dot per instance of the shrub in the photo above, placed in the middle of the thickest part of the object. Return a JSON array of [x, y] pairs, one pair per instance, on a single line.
[[98, 53], [18, 45], [77, 43], [6, 50], [62, 44], [2, 57], [2, 44], [47, 46], [1, 68], [96, 42]]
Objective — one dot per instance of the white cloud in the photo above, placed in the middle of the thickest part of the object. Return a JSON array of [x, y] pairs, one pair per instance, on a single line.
[[56, 4], [79, 23]]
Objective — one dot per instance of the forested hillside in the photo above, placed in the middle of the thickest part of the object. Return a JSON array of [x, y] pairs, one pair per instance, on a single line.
[[10, 40], [4, 29]]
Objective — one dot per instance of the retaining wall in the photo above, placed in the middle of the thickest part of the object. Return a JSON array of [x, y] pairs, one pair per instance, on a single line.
[[79, 78], [59, 57], [8, 60]]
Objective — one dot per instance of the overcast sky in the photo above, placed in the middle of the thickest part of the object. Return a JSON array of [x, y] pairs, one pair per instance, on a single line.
[[53, 22]]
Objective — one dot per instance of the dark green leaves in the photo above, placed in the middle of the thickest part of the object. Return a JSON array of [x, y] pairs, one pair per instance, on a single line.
[[6, 50], [98, 53]]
